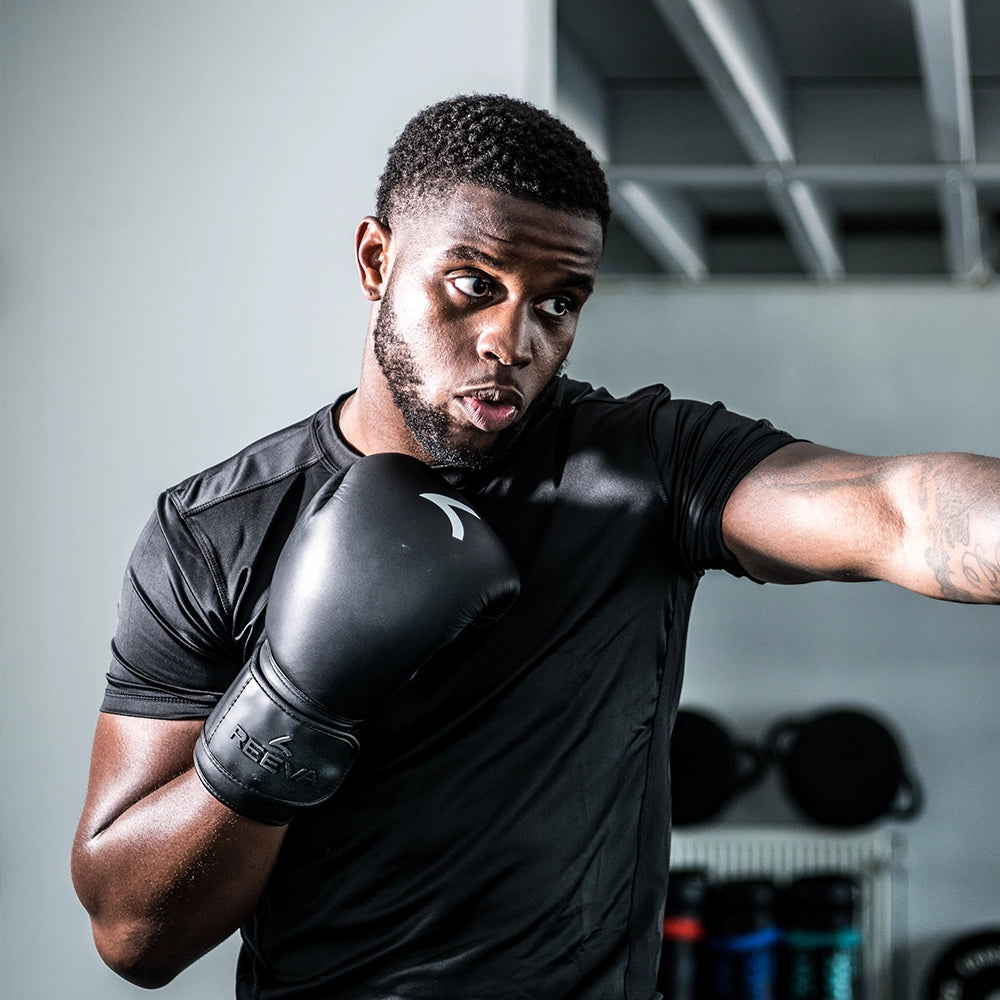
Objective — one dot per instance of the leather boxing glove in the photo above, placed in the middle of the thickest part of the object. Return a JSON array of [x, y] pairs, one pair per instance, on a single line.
[[384, 567]]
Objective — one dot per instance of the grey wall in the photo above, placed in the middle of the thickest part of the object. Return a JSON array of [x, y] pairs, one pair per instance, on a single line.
[[181, 183], [880, 369]]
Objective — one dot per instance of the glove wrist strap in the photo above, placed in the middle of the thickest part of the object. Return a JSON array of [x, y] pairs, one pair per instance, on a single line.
[[267, 750]]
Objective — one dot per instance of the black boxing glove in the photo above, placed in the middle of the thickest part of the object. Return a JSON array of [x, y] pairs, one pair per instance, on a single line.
[[384, 567]]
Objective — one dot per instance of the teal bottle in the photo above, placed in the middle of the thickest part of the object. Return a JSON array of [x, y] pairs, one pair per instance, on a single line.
[[822, 943]]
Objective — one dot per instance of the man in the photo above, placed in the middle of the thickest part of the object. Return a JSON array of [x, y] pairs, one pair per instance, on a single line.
[[411, 784]]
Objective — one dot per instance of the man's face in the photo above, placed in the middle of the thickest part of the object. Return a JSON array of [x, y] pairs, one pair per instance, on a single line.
[[479, 312]]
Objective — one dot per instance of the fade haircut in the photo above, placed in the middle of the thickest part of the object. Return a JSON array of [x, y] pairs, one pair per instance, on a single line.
[[493, 141]]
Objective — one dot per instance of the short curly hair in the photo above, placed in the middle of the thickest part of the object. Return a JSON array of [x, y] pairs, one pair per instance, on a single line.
[[498, 142]]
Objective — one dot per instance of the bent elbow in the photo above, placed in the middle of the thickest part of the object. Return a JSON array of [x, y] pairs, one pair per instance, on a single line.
[[134, 945], [135, 954]]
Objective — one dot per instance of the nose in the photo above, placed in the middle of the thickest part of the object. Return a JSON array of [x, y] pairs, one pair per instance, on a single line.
[[506, 336]]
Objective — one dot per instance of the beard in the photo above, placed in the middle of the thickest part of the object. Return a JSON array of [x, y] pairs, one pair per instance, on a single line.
[[432, 426]]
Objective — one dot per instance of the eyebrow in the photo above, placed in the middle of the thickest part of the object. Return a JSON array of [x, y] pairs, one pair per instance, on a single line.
[[473, 255]]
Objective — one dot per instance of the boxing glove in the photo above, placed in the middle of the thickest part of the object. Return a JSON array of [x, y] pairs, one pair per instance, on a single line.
[[384, 567]]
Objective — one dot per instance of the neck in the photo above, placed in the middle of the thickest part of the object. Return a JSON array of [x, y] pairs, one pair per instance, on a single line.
[[369, 420]]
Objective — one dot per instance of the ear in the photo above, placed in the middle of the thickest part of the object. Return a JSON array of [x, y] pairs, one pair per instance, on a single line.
[[371, 251]]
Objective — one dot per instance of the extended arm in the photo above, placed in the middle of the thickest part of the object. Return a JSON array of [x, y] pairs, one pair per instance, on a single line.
[[930, 523], [165, 871]]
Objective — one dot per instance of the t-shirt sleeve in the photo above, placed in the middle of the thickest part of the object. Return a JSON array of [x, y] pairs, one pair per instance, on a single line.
[[172, 653], [703, 450]]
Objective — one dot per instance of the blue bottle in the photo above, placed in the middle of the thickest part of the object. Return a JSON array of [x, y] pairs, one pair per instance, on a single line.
[[743, 941]]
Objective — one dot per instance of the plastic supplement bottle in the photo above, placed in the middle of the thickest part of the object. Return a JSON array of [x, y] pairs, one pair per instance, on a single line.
[[743, 939], [681, 960], [821, 940]]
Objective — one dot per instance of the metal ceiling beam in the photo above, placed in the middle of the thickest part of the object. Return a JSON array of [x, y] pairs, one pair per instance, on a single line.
[[662, 224], [944, 57], [807, 221], [581, 100], [665, 226], [727, 46], [828, 175], [963, 233]]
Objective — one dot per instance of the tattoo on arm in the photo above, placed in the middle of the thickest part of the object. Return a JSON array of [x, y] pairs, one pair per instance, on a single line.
[[953, 498], [979, 570]]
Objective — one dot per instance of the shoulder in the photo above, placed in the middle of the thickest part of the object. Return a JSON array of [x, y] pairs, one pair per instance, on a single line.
[[650, 416], [267, 462], [591, 409], [656, 415], [570, 393], [586, 438], [224, 526]]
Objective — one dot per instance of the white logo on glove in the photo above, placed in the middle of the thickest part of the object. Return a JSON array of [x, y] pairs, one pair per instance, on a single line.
[[449, 506]]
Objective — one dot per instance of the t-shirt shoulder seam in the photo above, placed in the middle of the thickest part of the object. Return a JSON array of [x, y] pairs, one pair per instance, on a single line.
[[249, 488], [218, 579]]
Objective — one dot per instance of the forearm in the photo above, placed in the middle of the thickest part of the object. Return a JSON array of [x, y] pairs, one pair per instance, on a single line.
[[951, 505], [169, 876]]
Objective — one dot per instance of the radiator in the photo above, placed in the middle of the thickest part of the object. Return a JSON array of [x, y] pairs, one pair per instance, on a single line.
[[873, 858]]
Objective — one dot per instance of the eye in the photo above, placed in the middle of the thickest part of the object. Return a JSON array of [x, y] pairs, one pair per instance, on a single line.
[[558, 306], [473, 285]]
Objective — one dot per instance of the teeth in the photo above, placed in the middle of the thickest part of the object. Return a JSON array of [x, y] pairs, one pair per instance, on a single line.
[[489, 415], [496, 398]]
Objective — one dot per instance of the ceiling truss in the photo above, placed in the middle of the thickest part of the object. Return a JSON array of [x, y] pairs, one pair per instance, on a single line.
[[728, 45]]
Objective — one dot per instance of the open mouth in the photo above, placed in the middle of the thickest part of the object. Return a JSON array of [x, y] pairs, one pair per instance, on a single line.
[[491, 410]]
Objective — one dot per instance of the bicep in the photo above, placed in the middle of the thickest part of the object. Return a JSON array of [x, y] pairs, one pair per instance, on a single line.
[[812, 513]]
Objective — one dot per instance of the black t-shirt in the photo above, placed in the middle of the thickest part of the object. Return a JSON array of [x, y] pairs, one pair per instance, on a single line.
[[505, 830]]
